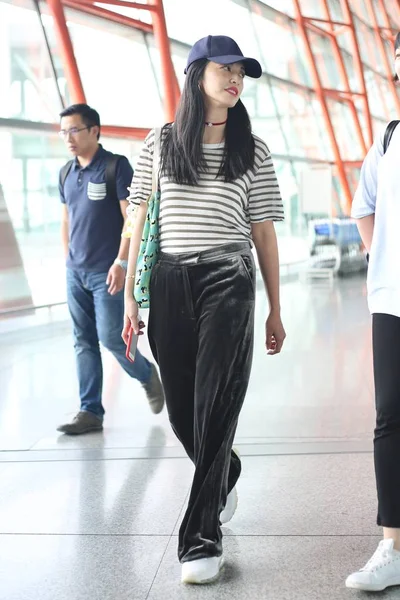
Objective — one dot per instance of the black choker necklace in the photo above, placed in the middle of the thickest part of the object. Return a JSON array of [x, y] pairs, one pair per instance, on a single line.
[[210, 124]]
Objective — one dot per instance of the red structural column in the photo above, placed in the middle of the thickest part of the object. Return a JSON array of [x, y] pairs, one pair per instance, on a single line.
[[168, 72], [67, 52], [324, 106]]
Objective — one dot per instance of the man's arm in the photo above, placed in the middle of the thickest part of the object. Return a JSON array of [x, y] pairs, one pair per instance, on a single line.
[[116, 273], [65, 229], [124, 174]]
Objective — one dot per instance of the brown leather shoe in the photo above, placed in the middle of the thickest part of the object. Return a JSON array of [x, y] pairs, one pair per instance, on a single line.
[[84, 422]]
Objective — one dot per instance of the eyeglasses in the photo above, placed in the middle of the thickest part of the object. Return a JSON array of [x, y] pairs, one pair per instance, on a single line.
[[73, 131]]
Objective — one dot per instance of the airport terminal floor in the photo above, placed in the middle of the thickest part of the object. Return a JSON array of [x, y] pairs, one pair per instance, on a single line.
[[96, 517]]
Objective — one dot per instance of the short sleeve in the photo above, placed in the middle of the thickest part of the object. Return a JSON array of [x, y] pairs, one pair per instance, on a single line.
[[364, 201], [61, 189], [124, 177], [265, 202], [141, 184]]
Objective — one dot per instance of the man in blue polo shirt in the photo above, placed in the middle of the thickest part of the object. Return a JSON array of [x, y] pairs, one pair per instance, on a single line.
[[93, 217]]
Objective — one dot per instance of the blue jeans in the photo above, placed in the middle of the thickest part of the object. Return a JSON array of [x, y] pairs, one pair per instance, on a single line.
[[98, 316]]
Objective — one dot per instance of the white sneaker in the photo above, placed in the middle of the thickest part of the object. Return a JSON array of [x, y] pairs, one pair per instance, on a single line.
[[232, 501], [203, 570], [230, 507], [380, 572]]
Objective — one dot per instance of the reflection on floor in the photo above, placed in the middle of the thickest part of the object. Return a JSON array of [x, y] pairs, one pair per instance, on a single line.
[[96, 517]]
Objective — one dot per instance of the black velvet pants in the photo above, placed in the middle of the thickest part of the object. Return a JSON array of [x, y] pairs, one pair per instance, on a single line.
[[201, 328]]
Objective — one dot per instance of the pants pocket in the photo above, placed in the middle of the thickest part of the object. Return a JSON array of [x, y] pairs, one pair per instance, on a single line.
[[248, 265]]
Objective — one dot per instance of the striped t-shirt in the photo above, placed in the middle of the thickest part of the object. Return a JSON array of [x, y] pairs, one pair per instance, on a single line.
[[213, 212]]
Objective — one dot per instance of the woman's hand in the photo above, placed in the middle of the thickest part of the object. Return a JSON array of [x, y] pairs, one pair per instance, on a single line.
[[131, 319], [275, 333]]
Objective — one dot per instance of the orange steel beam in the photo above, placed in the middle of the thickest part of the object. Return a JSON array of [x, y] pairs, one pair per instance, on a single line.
[[340, 30], [345, 80], [110, 15], [134, 133], [344, 95], [358, 66], [67, 52], [136, 5], [388, 67], [167, 68], [316, 29], [326, 21], [302, 24]]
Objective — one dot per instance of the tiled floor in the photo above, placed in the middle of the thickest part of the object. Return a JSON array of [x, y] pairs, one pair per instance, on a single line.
[[96, 517]]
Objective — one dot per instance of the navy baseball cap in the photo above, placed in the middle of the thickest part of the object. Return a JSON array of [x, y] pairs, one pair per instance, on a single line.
[[225, 51]]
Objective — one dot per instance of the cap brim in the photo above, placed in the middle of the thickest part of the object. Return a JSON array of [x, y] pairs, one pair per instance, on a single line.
[[251, 66]]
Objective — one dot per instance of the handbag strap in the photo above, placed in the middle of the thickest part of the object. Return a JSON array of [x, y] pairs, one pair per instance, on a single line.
[[156, 159]]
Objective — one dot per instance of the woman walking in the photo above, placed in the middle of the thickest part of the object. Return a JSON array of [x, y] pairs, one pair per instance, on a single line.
[[219, 195]]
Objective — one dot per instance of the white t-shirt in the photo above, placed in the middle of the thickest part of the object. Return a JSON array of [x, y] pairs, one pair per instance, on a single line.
[[211, 213], [378, 193]]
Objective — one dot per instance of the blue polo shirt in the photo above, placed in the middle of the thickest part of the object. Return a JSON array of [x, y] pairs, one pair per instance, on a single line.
[[95, 221]]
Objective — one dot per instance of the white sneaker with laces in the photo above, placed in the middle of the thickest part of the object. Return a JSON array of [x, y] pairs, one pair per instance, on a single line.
[[203, 570], [381, 571]]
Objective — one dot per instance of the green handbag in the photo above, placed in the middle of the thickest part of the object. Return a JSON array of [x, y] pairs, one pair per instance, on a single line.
[[150, 244]]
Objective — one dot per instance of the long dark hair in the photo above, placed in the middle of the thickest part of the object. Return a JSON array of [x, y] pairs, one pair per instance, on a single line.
[[182, 157]]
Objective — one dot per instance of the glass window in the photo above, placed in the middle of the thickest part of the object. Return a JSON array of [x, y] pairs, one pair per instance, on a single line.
[[285, 6], [190, 20], [380, 96], [281, 48], [336, 12], [118, 76], [369, 49], [301, 120], [345, 130], [28, 88], [360, 8], [326, 63]]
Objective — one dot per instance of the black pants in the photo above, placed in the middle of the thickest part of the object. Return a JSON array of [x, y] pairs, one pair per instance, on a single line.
[[201, 327], [386, 349]]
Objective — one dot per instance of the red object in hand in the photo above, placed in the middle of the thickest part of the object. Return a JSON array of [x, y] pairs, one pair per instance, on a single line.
[[131, 346]]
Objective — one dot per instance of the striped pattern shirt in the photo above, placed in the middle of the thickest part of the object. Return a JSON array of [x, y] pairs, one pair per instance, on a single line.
[[213, 212]]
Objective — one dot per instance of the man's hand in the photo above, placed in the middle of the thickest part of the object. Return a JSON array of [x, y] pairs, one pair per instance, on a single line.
[[275, 333], [115, 279]]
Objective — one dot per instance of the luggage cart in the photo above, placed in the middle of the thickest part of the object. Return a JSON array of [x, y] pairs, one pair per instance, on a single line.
[[335, 248]]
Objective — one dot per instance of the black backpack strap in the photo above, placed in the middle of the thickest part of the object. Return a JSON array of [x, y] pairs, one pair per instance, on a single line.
[[388, 134], [64, 172], [111, 177]]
